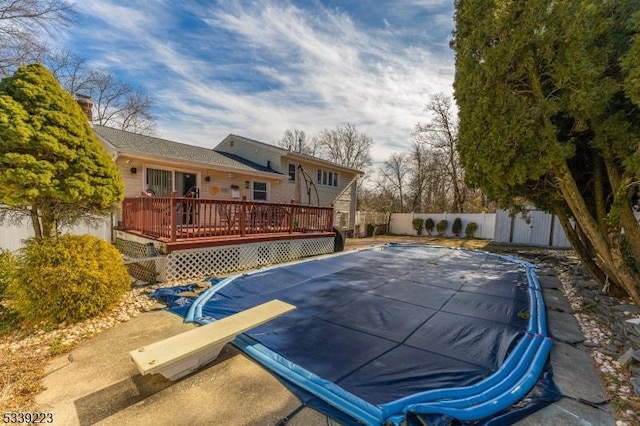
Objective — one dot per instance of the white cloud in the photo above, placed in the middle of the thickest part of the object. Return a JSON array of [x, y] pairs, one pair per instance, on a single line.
[[260, 68]]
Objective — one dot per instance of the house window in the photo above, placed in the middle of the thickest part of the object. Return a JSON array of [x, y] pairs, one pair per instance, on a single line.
[[327, 178], [260, 191], [292, 172], [159, 182]]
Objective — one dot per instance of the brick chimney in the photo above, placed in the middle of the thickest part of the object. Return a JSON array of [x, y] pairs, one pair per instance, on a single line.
[[86, 104]]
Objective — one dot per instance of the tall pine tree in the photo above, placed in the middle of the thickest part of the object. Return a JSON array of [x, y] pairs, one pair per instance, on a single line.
[[53, 169], [544, 117]]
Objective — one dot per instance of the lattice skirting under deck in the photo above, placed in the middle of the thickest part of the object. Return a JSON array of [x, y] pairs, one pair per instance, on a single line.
[[146, 270], [215, 261]]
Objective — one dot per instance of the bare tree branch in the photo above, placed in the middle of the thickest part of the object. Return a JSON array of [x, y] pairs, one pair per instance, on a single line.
[[25, 27]]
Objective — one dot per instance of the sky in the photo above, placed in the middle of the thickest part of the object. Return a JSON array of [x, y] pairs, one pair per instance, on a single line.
[[256, 68]]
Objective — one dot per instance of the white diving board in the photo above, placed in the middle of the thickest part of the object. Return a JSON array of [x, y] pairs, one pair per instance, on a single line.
[[179, 355]]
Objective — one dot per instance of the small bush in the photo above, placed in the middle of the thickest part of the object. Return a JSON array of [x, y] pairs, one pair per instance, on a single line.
[[471, 229], [429, 225], [70, 278], [456, 228], [441, 227], [370, 229], [7, 265], [417, 225]]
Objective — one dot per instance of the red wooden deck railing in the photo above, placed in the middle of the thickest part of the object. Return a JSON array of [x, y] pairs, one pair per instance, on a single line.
[[174, 218]]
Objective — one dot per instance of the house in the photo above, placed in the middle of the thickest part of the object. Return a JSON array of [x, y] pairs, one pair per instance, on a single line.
[[237, 167], [194, 203]]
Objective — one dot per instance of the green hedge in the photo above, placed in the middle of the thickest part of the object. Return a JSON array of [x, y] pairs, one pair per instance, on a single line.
[[69, 278]]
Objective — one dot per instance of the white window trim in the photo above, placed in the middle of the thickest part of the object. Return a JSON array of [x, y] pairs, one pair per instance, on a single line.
[[335, 177], [295, 173], [268, 190]]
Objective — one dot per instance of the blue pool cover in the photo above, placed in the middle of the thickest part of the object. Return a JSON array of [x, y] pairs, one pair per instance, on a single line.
[[425, 335]]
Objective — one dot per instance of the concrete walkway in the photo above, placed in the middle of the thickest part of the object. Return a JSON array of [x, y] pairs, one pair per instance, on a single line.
[[99, 384], [102, 385]]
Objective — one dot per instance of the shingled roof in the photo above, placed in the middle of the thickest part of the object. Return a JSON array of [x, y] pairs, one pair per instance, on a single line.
[[132, 143]]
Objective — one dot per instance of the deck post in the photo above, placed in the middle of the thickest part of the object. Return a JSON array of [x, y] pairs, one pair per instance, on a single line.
[[243, 215], [172, 215], [291, 210], [331, 216]]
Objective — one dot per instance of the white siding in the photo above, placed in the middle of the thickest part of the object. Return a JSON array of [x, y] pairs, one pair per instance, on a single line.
[[252, 151]]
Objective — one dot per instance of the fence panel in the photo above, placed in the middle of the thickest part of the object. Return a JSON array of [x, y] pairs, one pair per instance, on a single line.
[[537, 228], [11, 236], [401, 223]]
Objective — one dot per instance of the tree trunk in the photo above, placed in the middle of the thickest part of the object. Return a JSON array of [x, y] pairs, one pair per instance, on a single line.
[[35, 223], [632, 230], [623, 193], [598, 192], [581, 250], [48, 223], [608, 254]]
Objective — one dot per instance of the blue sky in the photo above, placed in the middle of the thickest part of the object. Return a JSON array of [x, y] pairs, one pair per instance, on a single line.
[[257, 68]]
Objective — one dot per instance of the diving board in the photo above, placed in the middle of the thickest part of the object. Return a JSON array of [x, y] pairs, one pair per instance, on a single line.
[[179, 355]]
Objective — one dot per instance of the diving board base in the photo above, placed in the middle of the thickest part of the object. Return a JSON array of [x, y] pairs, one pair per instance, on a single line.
[[184, 353]]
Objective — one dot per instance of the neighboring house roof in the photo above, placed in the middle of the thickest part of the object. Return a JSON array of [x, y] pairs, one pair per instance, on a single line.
[[286, 152], [132, 143]]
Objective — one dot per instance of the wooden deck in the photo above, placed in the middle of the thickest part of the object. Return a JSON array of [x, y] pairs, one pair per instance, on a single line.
[[184, 223], [226, 240]]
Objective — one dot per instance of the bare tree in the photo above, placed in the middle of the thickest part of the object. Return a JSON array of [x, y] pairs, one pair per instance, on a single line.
[[296, 140], [419, 168], [346, 146], [119, 105], [441, 135], [395, 171], [71, 71], [116, 103], [25, 26]]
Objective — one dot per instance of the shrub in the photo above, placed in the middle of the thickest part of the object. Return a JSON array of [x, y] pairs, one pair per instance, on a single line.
[[456, 228], [370, 229], [69, 278], [470, 229], [441, 227], [7, 265], [417, 225], [429, 225]]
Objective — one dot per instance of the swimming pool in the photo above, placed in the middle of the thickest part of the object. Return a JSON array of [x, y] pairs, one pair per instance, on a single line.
[[397, 333]]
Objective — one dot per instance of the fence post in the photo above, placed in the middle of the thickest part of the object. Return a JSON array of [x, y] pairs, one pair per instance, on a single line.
[[172, 215]]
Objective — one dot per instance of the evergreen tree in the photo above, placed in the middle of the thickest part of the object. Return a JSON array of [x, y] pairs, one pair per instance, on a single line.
[[52, 167], [544, 117]]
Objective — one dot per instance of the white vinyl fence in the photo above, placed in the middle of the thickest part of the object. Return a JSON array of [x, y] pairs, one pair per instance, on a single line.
[[401, 222], [537, 228], [11, 236]]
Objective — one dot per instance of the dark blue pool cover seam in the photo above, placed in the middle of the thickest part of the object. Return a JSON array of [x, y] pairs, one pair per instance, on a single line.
[[513, 380]]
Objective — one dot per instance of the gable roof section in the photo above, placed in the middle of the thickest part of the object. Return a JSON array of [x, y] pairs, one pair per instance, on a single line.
[[287, 153], [133, 143]]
